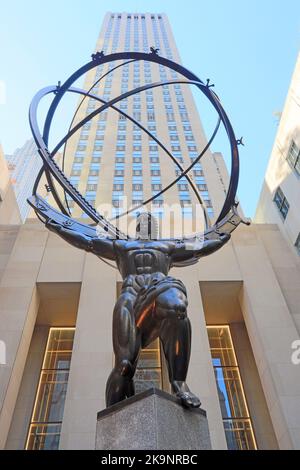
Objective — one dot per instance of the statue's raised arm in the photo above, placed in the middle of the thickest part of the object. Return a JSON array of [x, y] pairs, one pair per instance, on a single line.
[[99, 246], [188, 251], [77, 234], [194, 249]]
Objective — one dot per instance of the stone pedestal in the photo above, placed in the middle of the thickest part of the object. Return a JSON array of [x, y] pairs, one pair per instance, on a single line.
[[152, 420]]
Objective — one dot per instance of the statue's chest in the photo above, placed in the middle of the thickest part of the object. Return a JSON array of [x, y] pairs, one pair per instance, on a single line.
[[144, 258]]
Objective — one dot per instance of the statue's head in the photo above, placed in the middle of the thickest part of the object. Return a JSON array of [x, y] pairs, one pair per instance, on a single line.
[[146, 226]]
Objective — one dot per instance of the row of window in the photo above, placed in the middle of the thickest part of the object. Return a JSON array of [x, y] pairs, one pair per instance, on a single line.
[[94, 171], [134, 17], [136, 132], [135, 148]]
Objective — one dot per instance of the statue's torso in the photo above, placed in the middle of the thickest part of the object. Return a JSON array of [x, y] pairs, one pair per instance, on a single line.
[[138, 257]]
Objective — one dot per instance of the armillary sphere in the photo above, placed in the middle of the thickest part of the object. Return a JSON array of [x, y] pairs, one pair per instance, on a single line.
[[227, 220]]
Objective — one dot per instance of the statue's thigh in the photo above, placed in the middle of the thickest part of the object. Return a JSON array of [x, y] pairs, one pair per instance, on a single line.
[[125, 335], [148, 325]]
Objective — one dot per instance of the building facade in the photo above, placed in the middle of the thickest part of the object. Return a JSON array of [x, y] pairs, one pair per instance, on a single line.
[[24, 165], [280, 195], [137, 168], [56, 301]]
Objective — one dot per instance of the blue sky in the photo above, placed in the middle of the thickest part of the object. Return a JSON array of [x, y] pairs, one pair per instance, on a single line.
[[247, 47]]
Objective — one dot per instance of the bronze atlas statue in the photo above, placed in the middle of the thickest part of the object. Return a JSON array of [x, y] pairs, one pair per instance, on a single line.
[[151, 304]]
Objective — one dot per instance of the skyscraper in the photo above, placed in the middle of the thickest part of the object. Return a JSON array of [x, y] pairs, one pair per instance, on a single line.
[[112, 160], [24, 165]]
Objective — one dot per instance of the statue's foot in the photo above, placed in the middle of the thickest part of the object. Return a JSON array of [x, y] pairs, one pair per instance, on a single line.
[[187, 398]]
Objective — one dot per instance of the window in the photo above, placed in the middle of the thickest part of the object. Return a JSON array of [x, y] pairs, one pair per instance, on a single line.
[[184, 117], [45, 426], [293, 157], [234, 409], [136, 202], [158, 202], [297, 244], [201, 186], [137, 187], [136, 116], [93, 172], [117, 203], [118, 187], [185, 202], [91, 187], [281, 202]]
